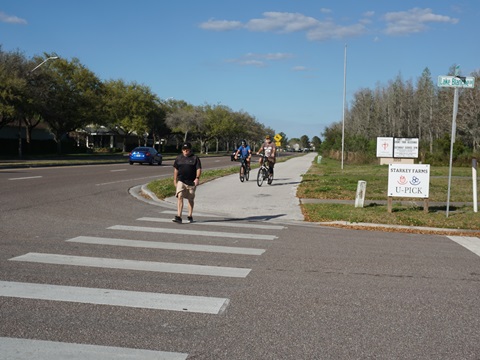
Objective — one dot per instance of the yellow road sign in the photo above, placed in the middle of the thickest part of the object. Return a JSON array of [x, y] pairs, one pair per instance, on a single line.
[[278, 137], [278, 143]]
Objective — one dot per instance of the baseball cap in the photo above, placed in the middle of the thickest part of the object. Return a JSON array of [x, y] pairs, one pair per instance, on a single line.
[[186, 145]]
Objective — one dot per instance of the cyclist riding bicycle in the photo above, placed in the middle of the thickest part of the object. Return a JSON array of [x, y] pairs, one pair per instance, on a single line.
[[270, 151], [244, 152]]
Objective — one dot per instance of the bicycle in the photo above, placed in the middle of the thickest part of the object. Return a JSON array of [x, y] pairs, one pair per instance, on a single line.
[[244, 169], [264, 172]]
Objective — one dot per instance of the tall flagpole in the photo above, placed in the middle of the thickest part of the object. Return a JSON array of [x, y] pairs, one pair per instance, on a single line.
[[344, 99]]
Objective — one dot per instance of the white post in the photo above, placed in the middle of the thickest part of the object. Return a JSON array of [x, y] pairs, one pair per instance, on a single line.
[[360, 196], [474, 178]]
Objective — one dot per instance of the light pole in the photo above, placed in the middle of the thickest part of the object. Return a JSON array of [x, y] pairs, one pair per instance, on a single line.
[[344, 100], [19, 120], [43, 62]]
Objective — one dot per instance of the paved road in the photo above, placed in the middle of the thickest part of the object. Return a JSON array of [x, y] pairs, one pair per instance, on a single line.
[[88, 271]]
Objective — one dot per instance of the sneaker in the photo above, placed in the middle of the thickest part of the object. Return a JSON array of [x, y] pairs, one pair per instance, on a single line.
[[190, 219], [177, 219]]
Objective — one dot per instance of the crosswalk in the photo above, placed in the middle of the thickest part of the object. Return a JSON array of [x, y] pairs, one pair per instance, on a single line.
[[469, 242], [224, 231]]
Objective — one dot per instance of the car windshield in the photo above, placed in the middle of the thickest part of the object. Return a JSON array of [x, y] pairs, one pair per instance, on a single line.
[[143, 149]]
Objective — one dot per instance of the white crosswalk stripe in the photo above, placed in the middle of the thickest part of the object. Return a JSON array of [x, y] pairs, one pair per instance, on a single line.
[[231, 223], [135, 299], [181, 231], [167, 245], [197, 214], [133, 265], [26, 349], [468, 242]]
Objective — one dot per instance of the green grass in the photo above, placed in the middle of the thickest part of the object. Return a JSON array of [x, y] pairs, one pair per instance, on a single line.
[[164, 188], [328, 181]]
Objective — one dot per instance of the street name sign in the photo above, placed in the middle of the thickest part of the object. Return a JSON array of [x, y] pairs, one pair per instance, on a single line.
[[454, 81]]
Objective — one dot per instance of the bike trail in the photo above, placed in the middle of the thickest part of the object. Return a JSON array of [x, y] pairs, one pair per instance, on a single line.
[[227, 196]]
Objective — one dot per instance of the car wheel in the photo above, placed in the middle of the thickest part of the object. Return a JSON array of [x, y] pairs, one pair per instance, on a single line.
[[131, 162]]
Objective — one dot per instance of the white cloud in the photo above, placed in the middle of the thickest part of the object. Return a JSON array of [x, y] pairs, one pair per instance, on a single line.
[[282, 22], [398, 23], [220, 25], [270, 56], [259, 60], [11, 19], [247, 62], [300, 68], [329, 30], [413, 21]]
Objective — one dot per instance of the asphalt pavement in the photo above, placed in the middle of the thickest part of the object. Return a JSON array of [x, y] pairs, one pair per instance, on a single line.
[[227, 196]]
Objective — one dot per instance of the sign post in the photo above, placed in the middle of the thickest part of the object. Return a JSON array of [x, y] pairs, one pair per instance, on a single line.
[[455, 82], [410, 181]]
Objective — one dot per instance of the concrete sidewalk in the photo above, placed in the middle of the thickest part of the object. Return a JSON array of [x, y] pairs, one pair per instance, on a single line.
[[227, 196]]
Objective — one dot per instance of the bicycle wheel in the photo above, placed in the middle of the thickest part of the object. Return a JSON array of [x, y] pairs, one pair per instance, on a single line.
[[242, 172], [260, 176], [247, 173]]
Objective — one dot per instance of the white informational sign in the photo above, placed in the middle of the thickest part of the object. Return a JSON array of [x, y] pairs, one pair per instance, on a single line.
[[405, 148], [408, 180], [385, 147]]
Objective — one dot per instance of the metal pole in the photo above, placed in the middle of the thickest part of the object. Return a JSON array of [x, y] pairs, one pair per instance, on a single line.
[[344, 99], [452, 141]]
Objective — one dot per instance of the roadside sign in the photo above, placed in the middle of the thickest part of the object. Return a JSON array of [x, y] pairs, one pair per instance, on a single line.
[[405, 148], [278, 143], [409, 180], [455, 81], [278, 137], [385, 147]]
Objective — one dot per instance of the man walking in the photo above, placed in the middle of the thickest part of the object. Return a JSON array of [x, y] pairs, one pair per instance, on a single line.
[[186, 177]]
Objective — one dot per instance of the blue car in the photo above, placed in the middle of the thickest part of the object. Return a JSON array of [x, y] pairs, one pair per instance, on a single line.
[[144, 154]]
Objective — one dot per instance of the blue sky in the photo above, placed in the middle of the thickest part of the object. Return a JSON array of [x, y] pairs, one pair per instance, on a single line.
[[281, 61]]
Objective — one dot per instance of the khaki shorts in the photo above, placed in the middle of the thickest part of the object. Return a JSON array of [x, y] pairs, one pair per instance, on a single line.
[[185, 191]]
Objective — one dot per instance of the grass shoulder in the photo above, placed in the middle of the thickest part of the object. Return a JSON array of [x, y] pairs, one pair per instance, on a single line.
[[329, 182]]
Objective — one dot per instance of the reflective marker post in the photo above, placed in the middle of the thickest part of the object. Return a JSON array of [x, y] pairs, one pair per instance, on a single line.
[[474, 180]]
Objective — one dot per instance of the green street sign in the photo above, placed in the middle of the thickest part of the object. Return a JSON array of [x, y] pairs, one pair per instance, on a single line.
[[455, 81]]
